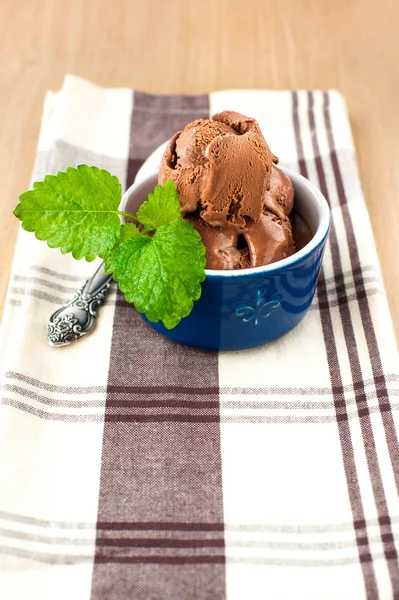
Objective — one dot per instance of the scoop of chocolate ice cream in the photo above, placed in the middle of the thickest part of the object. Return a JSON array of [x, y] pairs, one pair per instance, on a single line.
[[231, 191], [266, 241]]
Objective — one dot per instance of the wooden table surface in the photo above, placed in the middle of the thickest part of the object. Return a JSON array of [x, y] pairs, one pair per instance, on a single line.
[[199, 46]]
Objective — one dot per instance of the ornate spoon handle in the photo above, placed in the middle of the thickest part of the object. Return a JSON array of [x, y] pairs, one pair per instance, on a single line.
[[78, 318]]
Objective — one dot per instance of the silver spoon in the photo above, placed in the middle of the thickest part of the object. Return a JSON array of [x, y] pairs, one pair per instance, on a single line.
[[78, 318]]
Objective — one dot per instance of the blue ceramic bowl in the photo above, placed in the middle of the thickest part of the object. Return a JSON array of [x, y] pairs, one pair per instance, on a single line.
[[249, 307]]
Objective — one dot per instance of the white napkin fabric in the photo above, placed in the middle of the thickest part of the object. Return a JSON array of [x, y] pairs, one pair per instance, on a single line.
[[132, 467]]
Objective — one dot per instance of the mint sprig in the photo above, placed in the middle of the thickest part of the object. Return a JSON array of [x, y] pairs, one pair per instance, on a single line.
[[159, 263]]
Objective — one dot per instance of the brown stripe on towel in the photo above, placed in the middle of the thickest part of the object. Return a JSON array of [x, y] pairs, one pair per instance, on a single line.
[[163, 468]]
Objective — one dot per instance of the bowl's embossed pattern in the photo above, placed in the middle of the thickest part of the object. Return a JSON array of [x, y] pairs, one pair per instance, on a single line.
[[260, 308]]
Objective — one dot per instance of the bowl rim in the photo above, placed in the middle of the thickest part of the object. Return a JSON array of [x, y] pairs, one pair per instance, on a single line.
[[304, 253]]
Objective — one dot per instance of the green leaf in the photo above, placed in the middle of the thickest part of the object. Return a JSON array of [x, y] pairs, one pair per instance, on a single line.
[[161, 208], [76, 211], [162, 274], [128, 231]]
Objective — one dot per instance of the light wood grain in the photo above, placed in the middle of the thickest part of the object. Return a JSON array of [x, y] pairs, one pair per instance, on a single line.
[[189, 46]]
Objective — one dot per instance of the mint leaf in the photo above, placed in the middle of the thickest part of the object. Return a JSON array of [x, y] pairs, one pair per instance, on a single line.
[[128, 231], [76, 211], [161, 208], [161, 274]]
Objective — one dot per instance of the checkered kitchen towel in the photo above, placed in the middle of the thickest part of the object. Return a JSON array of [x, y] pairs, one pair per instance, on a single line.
[[135, 468]]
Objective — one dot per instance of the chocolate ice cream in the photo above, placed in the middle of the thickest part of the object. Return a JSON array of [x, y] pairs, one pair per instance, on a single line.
[[231, 191]]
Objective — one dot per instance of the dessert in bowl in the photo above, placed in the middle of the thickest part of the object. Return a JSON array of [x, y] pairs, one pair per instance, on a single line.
[[264, 229], [210, 207]]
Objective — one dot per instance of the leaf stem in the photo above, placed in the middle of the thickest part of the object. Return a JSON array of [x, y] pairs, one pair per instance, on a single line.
[[128, 215]]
